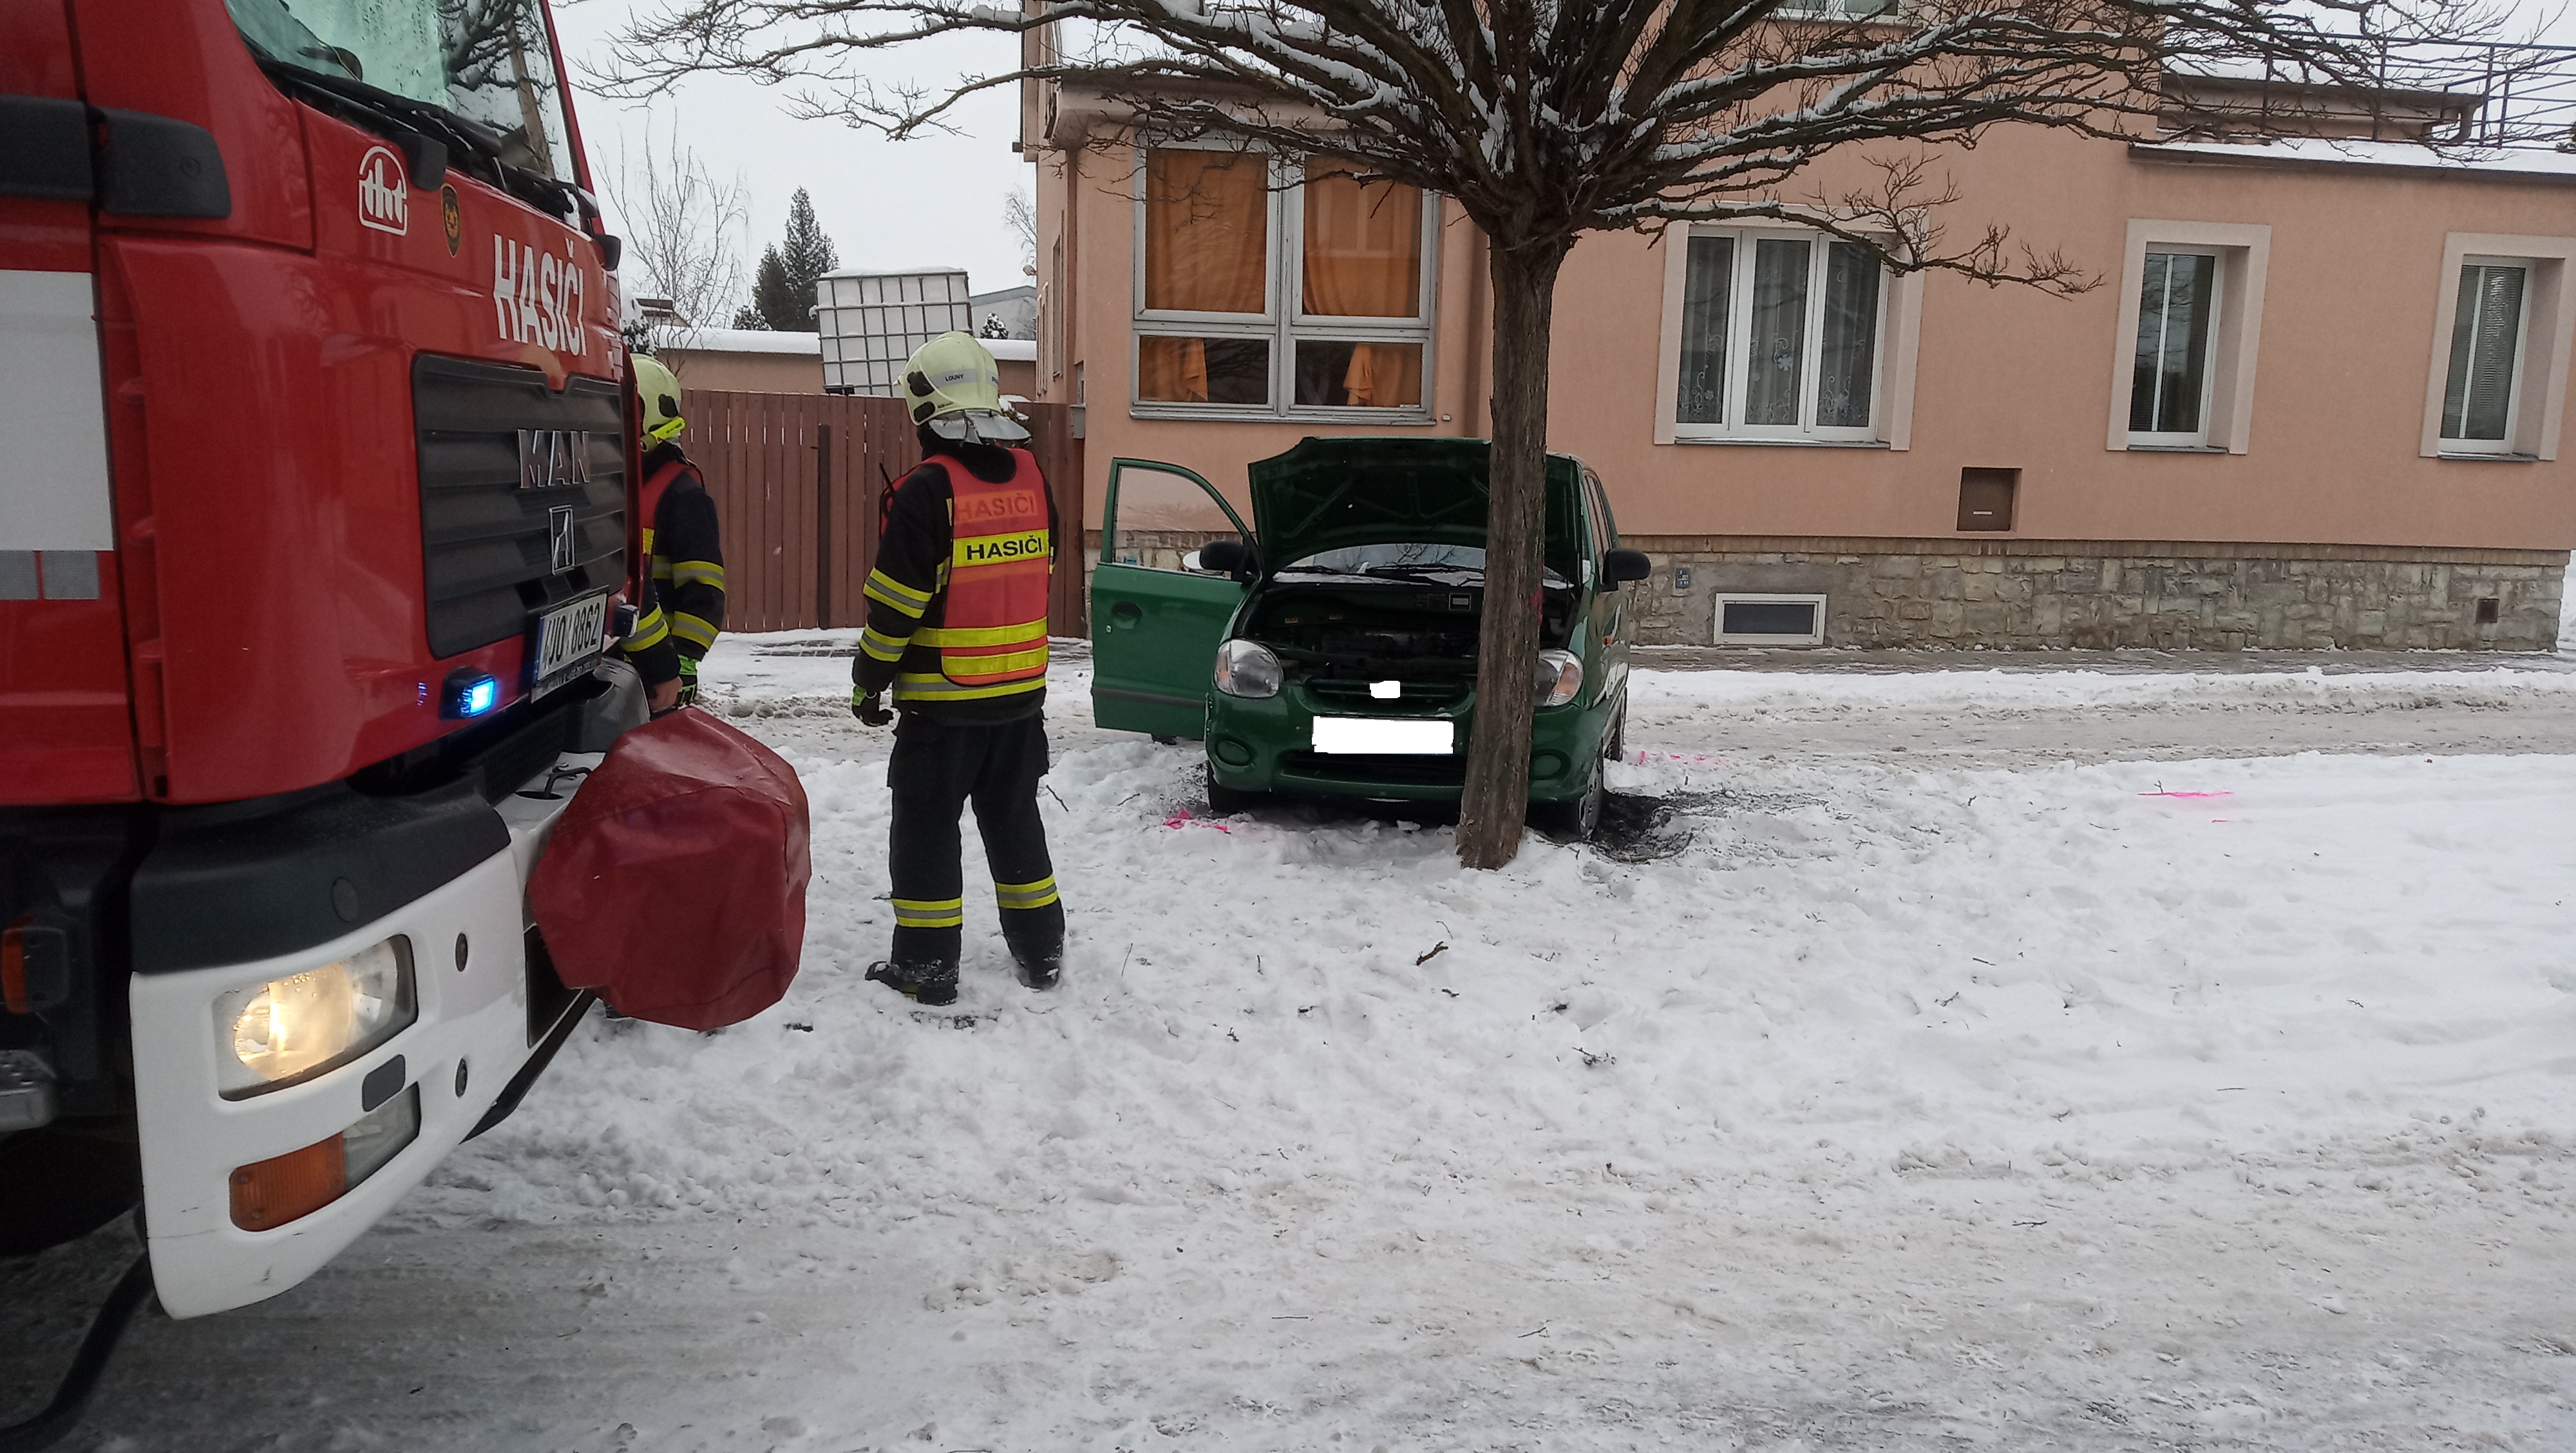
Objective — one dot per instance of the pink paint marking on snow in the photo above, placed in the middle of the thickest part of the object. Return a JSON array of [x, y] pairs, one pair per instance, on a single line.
[[2188, 796], [1184, 817]]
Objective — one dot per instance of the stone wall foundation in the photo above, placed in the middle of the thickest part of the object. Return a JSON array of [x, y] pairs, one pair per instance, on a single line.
[[2090, 594], [2055, 594]]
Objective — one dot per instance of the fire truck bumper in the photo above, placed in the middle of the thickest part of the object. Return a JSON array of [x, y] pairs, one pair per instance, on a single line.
[[251, 1186]]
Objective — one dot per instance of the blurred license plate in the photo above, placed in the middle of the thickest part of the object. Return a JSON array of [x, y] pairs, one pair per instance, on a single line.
[[568, 640], [1379, 737]]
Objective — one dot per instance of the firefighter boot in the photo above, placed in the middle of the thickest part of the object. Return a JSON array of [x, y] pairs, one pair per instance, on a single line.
[[1037, 944], [934, 984], [1040, 971]]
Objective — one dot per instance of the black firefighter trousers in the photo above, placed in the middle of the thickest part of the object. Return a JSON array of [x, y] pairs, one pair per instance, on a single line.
[[936, 770]]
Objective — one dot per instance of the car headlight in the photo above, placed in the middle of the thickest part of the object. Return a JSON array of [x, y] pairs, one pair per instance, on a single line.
[[1560, 676], [272, 1035], [1247, 668]]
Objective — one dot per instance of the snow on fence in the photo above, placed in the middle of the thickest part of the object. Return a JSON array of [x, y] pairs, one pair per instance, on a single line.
[[796, 480]]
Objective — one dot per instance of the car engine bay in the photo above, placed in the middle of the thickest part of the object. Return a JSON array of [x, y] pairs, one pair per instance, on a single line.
[[1394, 629]]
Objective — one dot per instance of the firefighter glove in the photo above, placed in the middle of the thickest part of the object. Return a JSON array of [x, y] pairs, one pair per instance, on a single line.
[[868, 708]]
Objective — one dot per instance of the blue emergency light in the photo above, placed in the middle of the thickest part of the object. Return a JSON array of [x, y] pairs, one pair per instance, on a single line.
[[468, 693]]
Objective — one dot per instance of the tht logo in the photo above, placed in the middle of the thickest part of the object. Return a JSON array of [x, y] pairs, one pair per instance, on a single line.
[[384, 197]]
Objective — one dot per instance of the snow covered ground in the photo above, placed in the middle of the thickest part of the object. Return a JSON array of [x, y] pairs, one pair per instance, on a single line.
[[2170, 1087]]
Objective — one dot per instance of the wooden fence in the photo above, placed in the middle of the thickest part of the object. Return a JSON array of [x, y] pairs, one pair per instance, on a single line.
[[797, 479]]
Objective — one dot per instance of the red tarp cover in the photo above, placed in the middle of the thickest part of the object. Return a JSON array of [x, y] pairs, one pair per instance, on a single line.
[[675, 884]]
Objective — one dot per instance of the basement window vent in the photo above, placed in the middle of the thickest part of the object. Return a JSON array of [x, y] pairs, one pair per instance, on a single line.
[[1986, 498], [1770, 620]]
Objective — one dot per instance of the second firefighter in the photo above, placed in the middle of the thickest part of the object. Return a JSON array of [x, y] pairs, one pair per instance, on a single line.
[[684, 602]]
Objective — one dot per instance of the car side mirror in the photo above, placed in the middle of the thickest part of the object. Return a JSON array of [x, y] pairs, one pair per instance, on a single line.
[[1626, 565], [1228, 556]]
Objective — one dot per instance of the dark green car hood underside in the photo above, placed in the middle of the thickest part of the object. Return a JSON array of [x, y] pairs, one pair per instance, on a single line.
[[1330, 494]]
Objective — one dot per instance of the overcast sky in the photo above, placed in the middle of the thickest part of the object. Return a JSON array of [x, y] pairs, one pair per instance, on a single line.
[[885, 204]]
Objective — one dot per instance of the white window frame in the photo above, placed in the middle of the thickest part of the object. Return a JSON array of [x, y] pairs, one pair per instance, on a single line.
[[1892, 353], [1284, 321], [1717, 620], [2244, 253], [2530, 271], [2540, 369], [2218, 297]]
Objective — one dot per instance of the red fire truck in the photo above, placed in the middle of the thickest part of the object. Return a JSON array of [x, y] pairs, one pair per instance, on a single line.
[[314, 527]]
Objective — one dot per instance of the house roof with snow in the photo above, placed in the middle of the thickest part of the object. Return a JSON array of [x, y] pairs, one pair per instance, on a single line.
[[739, 340], [2516, 163]]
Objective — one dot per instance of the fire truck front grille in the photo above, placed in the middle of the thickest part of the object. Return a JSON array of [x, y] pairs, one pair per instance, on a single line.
[[522, 496]]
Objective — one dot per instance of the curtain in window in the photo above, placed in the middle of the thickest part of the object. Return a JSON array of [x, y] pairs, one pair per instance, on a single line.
[[2485, 340], [1708, 279], [1203, 370], [1850, 358], [1777, 355], [1363, 245], [2175, 304], [1172, 370], [1207, 219], [1335, 373]]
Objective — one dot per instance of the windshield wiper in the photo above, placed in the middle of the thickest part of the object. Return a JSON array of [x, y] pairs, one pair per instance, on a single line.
[[393, 112], [387, 107], [1421, 567]]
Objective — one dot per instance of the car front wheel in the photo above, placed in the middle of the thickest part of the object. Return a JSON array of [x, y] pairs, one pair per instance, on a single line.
[[1224, 801], [1571, 819]]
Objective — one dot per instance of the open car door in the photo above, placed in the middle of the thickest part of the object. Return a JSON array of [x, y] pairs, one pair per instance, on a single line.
[[1155, 621]]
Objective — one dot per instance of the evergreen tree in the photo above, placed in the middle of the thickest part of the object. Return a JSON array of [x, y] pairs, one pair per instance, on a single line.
[[774, 295], [783, 289], [749, 317], [807, 252]]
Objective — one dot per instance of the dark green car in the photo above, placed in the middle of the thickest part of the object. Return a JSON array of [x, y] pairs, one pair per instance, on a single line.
[[1331, 648]]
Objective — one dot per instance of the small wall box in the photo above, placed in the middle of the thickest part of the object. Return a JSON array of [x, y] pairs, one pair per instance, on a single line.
[[1770, 620]]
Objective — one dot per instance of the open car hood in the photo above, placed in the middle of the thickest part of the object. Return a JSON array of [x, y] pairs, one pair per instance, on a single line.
[[1329, 494]]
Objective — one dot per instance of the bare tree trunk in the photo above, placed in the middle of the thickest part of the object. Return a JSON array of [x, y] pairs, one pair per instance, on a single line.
[[1497, 798]]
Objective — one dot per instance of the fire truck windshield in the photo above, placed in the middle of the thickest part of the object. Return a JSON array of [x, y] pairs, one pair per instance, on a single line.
[[486, 61]]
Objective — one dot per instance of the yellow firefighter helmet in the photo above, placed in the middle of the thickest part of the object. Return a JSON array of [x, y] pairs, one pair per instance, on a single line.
[[659, 394], [955, 388]]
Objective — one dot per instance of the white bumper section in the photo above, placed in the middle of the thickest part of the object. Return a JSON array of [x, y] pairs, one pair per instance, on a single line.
[[471, 1038]]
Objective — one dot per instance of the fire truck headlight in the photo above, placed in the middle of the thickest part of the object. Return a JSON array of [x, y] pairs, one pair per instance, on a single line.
[[275, 1034]]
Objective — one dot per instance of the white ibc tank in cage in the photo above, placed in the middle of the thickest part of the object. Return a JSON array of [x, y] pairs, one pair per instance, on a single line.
[[872, 321]]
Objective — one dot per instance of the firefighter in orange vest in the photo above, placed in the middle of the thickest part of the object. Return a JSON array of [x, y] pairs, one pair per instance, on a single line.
[[957, 628], [684, 603]]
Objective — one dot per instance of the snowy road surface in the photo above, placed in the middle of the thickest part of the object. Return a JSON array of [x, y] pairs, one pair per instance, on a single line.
[[1857, 1100]]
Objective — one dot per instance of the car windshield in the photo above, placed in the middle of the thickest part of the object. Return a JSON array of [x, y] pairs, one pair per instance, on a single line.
[[489, 62], [1410, 560]]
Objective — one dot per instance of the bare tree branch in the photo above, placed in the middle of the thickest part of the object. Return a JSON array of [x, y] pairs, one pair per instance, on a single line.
[[681, 224]]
